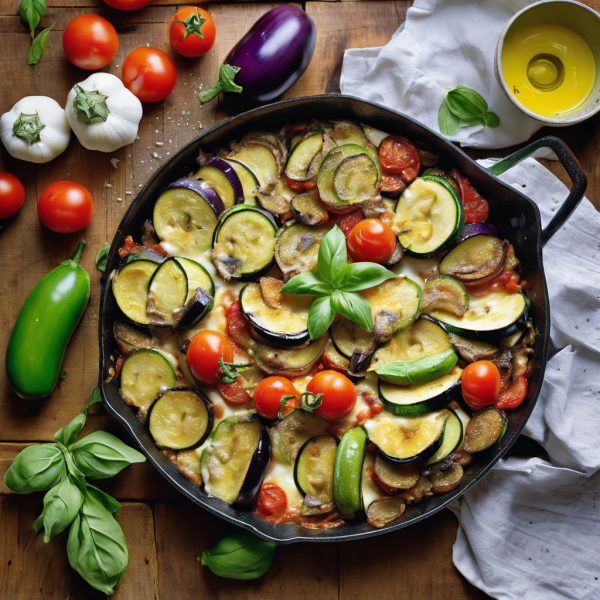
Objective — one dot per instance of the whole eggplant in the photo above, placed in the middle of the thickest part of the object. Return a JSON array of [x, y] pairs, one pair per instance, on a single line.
[[270, 58]]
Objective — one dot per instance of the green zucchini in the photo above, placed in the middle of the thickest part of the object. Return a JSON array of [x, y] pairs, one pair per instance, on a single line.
[[130, 288], [293, 431], [347, 471], [453, 437], [348, 337], [197, 277], [297, 248], [302, 155], [45, 324], [445, 293], [167, 293], [248, 181], [419, 371], [259, 160]]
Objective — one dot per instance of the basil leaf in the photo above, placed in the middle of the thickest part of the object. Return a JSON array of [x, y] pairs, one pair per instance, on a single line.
[[61, 505], [38, 46], [472, 121], [491, 119], [101, 455], [310, 282], [68, 434], [448, 122], [239, 555], [109, 503], [333, 255], [74, 471], [101, 258], [35, 469], [94, 406], [96, 546], [359, 276], [465, 102], [31, 12], [354, 306], [320, 317], [421, 370]]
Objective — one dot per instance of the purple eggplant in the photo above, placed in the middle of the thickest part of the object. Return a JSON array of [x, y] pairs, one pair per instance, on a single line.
[[232, 177], [256, 470], [270, 58], [202, 189], [473, 229]]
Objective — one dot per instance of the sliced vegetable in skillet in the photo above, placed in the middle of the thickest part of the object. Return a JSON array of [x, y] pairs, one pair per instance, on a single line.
[[293, 431], [444, 293], [395, 476], [220, 183], [130, 288], [247, 180], [347, 472], [302, 155], [348, 132], [297, 249], [348, 337], [421, 370], [129, 339], [259, 159], [453, 437], [167, 292], [385, 511], [308, 209], [485, 428], [197, 276]]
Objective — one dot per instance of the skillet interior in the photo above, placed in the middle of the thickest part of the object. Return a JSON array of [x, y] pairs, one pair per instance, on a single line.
[[516, 217]]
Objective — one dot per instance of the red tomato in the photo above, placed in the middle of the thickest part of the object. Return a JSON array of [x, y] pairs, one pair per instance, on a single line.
[[268, 394], [371, 240], [127, 4], [90, 42], [12, 195], [339, 394], [66, 207], [192, 32], [391, 184], [237, 327], [149, 73], [204, 352], [480, 384], [513, 395], [234, 392], [399, 156], [476, 208], [272, 500], [347, 222], [295, 186]]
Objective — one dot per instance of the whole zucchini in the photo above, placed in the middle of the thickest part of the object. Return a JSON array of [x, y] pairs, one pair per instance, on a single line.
[[45, 324]]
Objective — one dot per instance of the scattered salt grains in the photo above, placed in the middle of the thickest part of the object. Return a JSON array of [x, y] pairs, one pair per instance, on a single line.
[[119, 199], [142, 161], [183, 112], [108, 185], [114, 162], [159, 144], [170, 141], [128, 193], [168, 154], [155, 154], [156, 131]]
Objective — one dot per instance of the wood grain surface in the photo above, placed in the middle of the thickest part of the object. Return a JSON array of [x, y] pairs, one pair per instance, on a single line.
[[164, 533]]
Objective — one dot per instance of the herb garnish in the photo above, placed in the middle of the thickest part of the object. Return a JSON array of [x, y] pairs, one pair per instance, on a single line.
[[308, 403], [228, 372], [463, 106], [336, 283]]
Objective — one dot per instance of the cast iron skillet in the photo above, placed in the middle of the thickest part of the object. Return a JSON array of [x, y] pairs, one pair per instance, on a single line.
[[515, 215]]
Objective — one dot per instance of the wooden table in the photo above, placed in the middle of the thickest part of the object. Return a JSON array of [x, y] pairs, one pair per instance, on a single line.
[[164, 533]]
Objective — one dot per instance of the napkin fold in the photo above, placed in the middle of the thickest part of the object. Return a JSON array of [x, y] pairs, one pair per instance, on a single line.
[[530, 530], [442, 44]]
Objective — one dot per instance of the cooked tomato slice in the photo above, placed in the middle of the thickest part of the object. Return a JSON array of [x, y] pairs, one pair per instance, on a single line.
[[391, 184], [234, 392], [475, 206], [272, 501], [347, 222], [513, 395], [237, 326], [399, 156], [296, 186]]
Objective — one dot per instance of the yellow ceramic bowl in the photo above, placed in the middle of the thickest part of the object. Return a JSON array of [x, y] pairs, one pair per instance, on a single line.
[[580, 19]]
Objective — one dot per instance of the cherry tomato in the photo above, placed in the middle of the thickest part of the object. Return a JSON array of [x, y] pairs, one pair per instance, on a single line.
[[127, 4], [339, 394], [371, 240], [90, 42], [513, 395], [399, 156], [66, 207], [475, 207], [192, 32], [272, 501], [347, 222], [204, 352], [480, 384], [268, 394], [12, 195], [149, 74]]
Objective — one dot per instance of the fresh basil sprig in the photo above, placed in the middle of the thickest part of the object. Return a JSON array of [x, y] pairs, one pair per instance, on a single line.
[[463, 106], [31, 12], [38, 46], [96, 545], [336, 283], [101, 258]]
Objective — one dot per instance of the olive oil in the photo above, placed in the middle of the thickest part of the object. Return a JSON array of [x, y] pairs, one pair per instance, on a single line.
[[549, 68]]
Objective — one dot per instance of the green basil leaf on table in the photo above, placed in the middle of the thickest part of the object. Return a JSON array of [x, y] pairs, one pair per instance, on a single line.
[[472, 121], [309, 283], [320, 317], [359, 276], [35, 469], [101, 455], [239, 555], [68, 434], [333, 255], [38, 46], [465, 102], [491, 119], [96, 546], [31, 12], [74, 471], [354, 306], [448, 122], [101, 258], [109, 503]]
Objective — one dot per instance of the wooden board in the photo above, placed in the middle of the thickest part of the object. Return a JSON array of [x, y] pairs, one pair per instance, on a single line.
[[164, 533]]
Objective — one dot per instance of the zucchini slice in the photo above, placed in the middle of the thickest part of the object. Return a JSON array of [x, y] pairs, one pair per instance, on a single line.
[[287, 361], [302, 155], [445, 293], [244, 243], [486, 428], [308, 209], [352, 171], [286, 326], [423, 338], [347, 132], [145, 254], [259, 160], [130, 288], [293, 431], [429, 216], [348, 337], [394, 304], [269, 136], [414, 400], [407, 439], [184, 220], [396, 476], [144, 376], [219, 182], [453, 436], [248, 181], [180, 418], [235, 459], [197, 277], [129, 339], [347, 472], [167, 293], [419, 371], [313, 470], [490, 318], [297, 248]]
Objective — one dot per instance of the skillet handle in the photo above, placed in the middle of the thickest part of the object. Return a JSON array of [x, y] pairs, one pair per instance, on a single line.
[[571, 166]]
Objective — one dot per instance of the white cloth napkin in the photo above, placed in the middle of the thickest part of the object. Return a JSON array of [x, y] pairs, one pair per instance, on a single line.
[[442, 44], [530, 530]]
